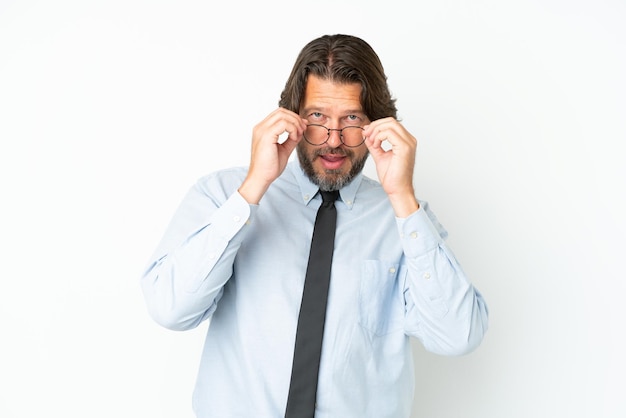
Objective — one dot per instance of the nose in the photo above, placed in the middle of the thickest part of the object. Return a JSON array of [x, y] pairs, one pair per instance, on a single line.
[[334, 138]]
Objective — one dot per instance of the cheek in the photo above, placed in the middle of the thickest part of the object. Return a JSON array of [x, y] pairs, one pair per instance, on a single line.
[[359, 154], [304, 148], [305, 152]]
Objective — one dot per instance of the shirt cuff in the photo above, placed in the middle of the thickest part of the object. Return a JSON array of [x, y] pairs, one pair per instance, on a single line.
[[418, 234], [232, 216]]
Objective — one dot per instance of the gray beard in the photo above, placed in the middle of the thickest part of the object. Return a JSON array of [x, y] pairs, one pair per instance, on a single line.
[[331, 179]]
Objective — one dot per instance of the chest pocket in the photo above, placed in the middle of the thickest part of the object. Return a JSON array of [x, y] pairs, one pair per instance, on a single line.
[[381, 302]]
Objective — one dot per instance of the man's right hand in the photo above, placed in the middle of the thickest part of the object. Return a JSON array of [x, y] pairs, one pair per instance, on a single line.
[[270, 155]]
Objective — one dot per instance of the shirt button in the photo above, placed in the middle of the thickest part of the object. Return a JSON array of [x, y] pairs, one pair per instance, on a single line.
[[413, 235], [306, 197], [427, 276], [236, 218], [392, 270]]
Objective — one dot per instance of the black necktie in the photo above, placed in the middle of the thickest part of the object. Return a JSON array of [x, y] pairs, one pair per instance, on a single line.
[[306, 360]]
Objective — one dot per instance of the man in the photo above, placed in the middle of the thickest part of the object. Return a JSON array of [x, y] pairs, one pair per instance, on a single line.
[[236, 253]]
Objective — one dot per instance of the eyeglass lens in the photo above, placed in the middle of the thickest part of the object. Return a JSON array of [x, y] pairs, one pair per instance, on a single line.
[[351, 136]]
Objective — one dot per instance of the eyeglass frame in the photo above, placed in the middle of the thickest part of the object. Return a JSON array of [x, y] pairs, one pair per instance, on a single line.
[[328, 135]]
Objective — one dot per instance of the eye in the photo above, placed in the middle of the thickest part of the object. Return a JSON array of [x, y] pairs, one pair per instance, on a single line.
[[353, 119], [317, 118]]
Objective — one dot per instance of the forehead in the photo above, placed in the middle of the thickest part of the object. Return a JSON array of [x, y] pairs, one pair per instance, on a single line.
[[331, 97]]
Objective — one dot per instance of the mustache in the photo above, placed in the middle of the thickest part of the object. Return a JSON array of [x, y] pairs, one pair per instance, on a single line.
[[333, 151]]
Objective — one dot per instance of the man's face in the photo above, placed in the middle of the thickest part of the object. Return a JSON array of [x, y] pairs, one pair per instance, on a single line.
[[332, 165]]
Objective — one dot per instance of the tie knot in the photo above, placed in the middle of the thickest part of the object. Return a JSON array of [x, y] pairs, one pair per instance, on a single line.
[[329, 196]]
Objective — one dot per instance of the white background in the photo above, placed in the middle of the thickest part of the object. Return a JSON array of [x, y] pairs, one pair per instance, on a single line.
[[110, 110]]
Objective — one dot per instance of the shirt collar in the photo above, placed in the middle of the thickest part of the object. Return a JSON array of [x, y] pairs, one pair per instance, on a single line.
[[308, 190]]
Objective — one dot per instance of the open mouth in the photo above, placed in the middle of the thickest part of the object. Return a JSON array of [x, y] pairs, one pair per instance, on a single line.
[[332, 161]]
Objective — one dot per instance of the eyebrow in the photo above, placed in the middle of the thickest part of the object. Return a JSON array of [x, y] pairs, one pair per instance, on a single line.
[[323, 110]]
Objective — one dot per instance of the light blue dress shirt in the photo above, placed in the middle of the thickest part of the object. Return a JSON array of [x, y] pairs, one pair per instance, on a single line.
[[243, 267]]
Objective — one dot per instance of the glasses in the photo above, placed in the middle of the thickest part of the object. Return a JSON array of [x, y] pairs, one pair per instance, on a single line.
[[350, 136]]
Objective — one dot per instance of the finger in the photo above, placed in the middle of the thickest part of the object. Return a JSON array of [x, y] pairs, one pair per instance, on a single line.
[[282, 137], [376, 151], [377, 125], [294, 130], [282, 125], [394, 136], [381, 137]]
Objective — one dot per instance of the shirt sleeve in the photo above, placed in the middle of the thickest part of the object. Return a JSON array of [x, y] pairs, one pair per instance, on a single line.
[[443, 309], [185, 278]]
